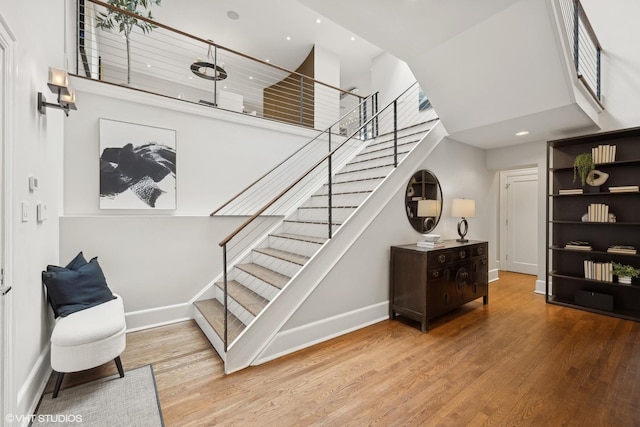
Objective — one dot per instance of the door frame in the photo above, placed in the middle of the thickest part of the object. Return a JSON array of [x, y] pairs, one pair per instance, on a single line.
[[7, 45], [504, 175]]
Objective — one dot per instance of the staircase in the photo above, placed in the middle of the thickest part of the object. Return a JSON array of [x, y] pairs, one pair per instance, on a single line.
[[258, 278]]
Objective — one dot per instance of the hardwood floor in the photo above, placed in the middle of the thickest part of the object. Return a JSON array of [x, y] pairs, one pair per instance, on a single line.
[[514, 362]]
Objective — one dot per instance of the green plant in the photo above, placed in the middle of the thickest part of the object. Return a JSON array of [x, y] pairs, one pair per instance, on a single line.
[[621, 270], [582, 165], [125, 23]]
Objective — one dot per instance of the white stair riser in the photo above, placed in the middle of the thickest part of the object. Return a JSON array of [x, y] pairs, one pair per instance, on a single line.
[[322, 214], [363, 174], [295, 246], [388, 144], [346, 187], [278, 265], [234, 307], [317, 230], [365, 155], [383, 161], [352, 199], [264, 289]]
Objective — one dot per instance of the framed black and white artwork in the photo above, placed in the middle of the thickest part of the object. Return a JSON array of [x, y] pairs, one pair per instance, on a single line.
[[137, 166]]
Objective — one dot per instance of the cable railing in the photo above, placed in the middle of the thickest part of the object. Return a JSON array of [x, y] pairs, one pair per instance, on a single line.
[[324, 156], [128, 48], [585, 48]]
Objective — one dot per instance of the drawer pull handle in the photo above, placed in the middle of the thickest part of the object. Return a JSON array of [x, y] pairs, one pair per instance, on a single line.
[[445, 298], [436, 273], [480, 250], [442, 258], [484, 262], [463, 254]]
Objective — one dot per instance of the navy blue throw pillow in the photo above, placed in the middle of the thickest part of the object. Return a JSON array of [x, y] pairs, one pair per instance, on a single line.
[[76, 263], [72, 290]]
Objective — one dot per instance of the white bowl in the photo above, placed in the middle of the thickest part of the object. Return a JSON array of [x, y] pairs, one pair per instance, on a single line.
[[431, 237]]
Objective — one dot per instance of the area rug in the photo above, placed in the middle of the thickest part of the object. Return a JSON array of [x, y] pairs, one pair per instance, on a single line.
[[111, 401]]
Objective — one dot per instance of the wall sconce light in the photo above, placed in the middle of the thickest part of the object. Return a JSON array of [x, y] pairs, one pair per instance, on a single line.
[[463, 208], [59, 84]]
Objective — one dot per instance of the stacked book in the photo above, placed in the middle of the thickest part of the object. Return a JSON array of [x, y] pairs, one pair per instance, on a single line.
[[598, 212], [571, 191], [625, 189], [431, 241], [622, 249], [578, 245], [604, 154], [598, 271]]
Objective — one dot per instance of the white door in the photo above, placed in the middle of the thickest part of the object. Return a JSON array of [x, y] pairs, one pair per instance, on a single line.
[[519, 221], [6, 83]]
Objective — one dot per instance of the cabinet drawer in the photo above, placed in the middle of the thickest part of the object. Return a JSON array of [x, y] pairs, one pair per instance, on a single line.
[[449, 256]]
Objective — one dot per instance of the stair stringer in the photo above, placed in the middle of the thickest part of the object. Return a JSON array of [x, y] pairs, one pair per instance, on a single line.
[[246, 349]]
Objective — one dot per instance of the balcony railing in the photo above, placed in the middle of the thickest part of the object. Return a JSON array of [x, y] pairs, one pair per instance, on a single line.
[[127, 48], [585, 47]]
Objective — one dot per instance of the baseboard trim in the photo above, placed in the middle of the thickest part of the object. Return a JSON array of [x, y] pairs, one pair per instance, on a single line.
[[493, 275], [291, 340], [540, 287], [159, 316], [33, 387]]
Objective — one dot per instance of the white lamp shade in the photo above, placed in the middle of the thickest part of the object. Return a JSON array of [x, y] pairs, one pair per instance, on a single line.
[[58, 81], [429, 208], [463, 208]]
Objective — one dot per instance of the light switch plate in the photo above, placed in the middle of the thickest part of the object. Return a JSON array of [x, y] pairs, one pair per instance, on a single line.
[[41, 212], [33, 183], [25, 211]]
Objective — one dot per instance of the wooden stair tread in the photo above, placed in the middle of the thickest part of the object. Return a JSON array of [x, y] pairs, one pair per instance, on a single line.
[[244, 296], [213, 312], [364, 169], [273, 278], [300, 237], [284, 255], [326, 207]]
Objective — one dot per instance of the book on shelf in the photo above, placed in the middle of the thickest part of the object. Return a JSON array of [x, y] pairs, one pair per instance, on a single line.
[[622, 249], [603, 154], [571, 191], [579, 245], [602, 271], [625, 189], [598, 212], [430, 245]]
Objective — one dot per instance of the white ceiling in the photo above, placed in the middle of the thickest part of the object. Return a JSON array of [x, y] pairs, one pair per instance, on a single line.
[[262, 28]]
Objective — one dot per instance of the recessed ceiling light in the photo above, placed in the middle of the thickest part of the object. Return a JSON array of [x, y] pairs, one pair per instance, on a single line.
[[352, 38], [149, 65], [267, 60], [250, 77], [232, 14], [318, 21], [190, 78], [288, 37], [522, 133]]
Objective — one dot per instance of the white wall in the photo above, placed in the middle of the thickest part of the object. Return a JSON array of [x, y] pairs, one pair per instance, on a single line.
[[614, 24], [37, 150], [360, 279], [218, 152]]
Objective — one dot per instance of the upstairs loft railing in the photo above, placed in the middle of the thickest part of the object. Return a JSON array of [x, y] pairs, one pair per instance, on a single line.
[[585, 47], [147, 55], [402, 112]]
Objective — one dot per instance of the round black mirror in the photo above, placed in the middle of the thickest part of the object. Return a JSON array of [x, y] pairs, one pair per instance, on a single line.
[[423, 201]]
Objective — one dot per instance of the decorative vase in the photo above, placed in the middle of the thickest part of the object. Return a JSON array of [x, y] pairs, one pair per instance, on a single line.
[[625, 280]]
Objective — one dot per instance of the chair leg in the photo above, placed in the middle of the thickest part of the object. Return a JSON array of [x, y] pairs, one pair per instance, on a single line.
[[119, 365], [56, 389]]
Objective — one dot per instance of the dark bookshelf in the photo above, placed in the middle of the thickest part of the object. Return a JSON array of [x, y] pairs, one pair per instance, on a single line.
[[565, 267]]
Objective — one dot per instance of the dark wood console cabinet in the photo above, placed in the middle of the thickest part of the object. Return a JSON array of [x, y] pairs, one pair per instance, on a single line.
[[426, 283]]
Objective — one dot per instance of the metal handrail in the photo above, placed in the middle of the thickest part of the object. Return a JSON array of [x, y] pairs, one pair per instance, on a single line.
[[327, 130], [213, 44], [311, 169]]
